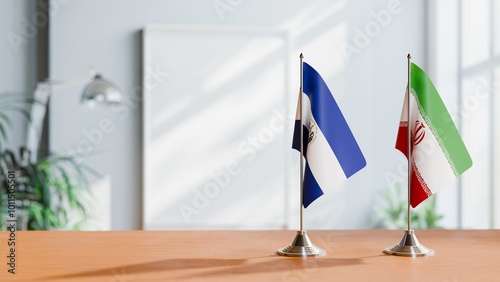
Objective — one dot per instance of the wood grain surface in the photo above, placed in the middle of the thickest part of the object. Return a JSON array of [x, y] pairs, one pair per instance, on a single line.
[[353, 255]]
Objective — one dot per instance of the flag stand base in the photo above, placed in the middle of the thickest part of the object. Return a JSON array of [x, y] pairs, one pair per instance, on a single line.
[[409, 247], [301, 247]]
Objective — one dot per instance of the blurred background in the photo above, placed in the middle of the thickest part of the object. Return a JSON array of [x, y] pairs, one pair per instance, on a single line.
[[201, 138]]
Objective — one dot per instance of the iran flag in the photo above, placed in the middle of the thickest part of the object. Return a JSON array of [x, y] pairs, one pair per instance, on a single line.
[[438, 154]]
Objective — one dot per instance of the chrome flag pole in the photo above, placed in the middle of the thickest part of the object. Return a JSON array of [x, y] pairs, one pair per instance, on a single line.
[[409, 245], [301, 245]]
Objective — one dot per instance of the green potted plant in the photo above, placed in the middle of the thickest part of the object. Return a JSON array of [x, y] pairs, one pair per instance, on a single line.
[[50, 193], [392, 213]]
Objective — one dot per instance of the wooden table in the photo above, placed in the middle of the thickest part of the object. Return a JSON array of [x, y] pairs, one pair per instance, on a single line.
[[354, 255]]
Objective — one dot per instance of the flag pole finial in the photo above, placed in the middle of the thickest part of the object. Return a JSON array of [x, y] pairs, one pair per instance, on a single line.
[[409, 56]]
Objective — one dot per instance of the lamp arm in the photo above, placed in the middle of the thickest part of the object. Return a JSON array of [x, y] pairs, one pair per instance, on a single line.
[[35, 125], [58, 83], [67, 82]]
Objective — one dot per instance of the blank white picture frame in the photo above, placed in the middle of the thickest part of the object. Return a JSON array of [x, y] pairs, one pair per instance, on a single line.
[[216, 133]]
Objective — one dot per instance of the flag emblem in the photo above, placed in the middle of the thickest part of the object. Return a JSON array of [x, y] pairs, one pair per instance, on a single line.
[[419, 132], [313, 129]]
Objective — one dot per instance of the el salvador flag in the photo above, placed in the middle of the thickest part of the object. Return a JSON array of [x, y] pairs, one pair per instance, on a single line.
[[332, 154]]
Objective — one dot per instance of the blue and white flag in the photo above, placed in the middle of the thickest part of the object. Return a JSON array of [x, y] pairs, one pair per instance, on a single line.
[[331, 152]]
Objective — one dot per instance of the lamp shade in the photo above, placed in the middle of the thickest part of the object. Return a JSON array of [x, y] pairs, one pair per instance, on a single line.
[[101, 90]]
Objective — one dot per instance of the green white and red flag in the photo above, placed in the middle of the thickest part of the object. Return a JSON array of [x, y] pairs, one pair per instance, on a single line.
[[438, 153]]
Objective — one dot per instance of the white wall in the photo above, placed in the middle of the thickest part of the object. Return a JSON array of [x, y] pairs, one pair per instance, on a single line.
[[17, 57], [467, 88], [444, 57], [369, 87]]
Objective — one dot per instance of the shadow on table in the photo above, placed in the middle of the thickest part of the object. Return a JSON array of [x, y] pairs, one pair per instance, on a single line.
[[122, 272], [223, 267], [290, 267]]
